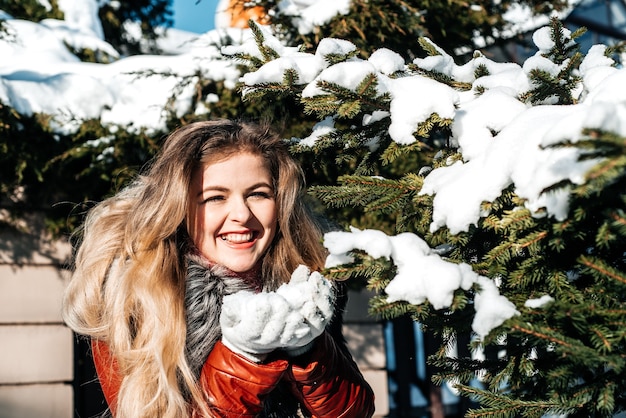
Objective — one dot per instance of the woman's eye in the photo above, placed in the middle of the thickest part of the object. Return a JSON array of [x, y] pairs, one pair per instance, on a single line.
[[211, 199], [261, 195]]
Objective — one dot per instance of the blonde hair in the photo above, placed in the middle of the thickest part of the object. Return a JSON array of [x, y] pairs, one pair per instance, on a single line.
[[128, 284]]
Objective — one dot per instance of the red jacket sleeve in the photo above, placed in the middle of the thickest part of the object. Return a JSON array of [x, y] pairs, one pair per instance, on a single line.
[[329, 384], [108, 372], [236, 386], [233, 385]]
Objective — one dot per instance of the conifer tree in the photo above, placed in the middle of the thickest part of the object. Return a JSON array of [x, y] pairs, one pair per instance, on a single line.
[[562, 353], [147, 14], [39, 164], [396, 24]]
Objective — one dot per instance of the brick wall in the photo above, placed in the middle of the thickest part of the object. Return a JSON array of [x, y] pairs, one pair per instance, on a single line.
[[364, 335], [36, 349]]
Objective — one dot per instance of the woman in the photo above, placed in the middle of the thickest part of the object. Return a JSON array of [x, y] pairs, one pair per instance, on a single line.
[[192, 287]]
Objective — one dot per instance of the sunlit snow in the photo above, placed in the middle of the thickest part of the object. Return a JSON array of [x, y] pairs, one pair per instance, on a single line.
[[38, 74]]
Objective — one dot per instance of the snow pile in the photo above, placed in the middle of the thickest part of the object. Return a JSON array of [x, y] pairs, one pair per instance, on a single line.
[[423, 275], [503, 141], [255, 323], [38, 74]]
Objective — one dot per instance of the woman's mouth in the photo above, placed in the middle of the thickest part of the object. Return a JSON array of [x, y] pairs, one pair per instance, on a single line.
[[237, 238]]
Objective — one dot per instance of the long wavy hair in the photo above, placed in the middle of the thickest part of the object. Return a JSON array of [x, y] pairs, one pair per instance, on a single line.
[[128, 284]]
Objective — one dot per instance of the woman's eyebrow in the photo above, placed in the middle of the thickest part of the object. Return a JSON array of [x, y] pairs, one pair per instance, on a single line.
[[260, 184], [212, 189], [217, 188]]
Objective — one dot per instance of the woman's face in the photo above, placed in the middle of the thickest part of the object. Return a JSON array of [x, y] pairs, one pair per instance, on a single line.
[[232, 214]]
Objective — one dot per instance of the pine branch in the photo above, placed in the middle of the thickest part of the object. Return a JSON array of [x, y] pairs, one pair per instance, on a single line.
[[334, 58], [344, 102], [600, 269], [372, 193], [395, 151], [380, 307], [501, 406], [377, 271], [564, 52], [563, 46], [268, 53]]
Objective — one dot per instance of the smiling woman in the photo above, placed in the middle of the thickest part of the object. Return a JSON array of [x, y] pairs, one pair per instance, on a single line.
[[194, 285], [233, 205]]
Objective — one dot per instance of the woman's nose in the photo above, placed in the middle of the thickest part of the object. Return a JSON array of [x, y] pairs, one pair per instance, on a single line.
[[239, 210]]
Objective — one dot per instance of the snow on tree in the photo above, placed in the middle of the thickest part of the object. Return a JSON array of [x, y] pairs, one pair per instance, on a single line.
[[513, 233], [72, 129], [457, 26]]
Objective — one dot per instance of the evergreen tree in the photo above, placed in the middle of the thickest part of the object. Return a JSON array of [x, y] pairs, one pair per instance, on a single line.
[[564, 356], [38, 165], [148, 15], [30, 9], [61, 173], [397, 24]]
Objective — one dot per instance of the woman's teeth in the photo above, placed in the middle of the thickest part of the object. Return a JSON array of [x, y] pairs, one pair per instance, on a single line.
[[237, 238]]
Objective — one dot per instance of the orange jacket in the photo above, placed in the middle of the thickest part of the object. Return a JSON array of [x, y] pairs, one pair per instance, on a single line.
[[328, 384]]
